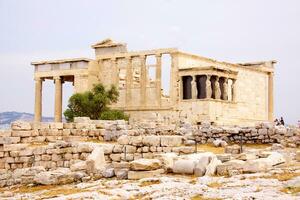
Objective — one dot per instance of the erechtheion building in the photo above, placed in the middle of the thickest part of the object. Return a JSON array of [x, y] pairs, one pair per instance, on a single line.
[[199, 88]]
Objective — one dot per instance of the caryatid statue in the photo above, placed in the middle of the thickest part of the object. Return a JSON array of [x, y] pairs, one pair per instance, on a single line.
[[217, 89], [208, 87], [225, 89]]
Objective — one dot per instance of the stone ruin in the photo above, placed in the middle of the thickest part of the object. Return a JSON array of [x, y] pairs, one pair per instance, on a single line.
[[59, 153], [165, 84]]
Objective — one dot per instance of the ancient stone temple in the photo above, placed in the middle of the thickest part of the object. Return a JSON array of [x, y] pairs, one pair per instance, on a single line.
[[166, 85]]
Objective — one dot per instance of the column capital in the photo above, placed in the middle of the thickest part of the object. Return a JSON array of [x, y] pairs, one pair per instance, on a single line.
[[38, 79], [56, 78], [143, 56], [100, 60], [129, 58], [174, 54], [158, 55]]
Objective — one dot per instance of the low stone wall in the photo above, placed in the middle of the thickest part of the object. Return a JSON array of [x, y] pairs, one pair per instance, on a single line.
[[261, 133], [15, 157], [24, 132], [64, 154], [19, 163], [57, 149], [130, 148], [51, 156], [16, 145], [101, 130]]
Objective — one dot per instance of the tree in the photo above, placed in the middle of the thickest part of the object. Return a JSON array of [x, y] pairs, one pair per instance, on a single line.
[[92, 103]]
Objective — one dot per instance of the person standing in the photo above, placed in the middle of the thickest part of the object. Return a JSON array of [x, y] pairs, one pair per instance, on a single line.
[[281, 121]]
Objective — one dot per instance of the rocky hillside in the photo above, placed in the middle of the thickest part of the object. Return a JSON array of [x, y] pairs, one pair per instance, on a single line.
[[7, 117]]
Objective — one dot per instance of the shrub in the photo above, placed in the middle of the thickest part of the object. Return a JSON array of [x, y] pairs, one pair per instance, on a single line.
[[113, 115], [93, 103]]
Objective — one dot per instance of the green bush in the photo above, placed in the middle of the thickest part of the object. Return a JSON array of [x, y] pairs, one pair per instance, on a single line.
[[93, 103], [113, 115]]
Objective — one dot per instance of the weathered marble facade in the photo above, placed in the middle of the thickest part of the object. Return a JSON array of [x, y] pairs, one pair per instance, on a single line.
[[200, 89]]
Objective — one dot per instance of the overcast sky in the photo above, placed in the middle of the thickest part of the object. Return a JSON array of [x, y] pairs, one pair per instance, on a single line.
[[226, 30]]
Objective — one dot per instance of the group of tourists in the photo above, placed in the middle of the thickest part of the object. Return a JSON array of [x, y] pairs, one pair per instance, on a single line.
[[279, 122]]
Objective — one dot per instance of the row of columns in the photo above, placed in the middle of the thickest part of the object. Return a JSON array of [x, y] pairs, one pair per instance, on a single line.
[[214, 87], [38, 99], [143, 80]]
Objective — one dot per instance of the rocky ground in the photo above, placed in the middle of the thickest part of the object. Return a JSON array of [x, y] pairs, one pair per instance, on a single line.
[[280, 182]]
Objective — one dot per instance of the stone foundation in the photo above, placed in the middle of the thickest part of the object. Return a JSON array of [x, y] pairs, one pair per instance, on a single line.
[[78, 151]]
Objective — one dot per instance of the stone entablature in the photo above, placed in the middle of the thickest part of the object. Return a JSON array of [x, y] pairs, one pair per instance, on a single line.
[[246, 89]]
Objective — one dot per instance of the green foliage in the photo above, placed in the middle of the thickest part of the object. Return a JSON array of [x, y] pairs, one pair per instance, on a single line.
[[92, 103], [113, 115]]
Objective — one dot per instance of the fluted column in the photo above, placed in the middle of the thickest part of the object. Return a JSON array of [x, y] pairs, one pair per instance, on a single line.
[[225, 89], [233, 90], [174, 82], [128, 81], [217, 89], [270, 97], [38, 100], [143, 81], [58, 99], [115, 72], [158, 79], [208, 87], [194, 88]]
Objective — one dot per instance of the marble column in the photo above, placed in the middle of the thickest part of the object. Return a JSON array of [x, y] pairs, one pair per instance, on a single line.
[[158, 79], [143, 81], [217, 88], [38, 100], [129, 76], [233, 90], [225, 89], [174, 80], [208, 87], [270, 97], [115, 72], [58, 99], [194, 87]]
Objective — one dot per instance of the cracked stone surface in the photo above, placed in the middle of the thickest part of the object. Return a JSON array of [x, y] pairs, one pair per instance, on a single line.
[[245, 186]]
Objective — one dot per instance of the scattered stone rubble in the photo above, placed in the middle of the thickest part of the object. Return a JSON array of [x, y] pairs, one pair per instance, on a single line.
[[75, 152]]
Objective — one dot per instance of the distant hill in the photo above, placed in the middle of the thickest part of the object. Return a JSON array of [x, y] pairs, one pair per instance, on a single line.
[[7, 117]]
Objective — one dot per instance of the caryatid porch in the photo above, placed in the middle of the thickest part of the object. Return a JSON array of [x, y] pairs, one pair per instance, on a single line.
[[208, 83], [60, 71]]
